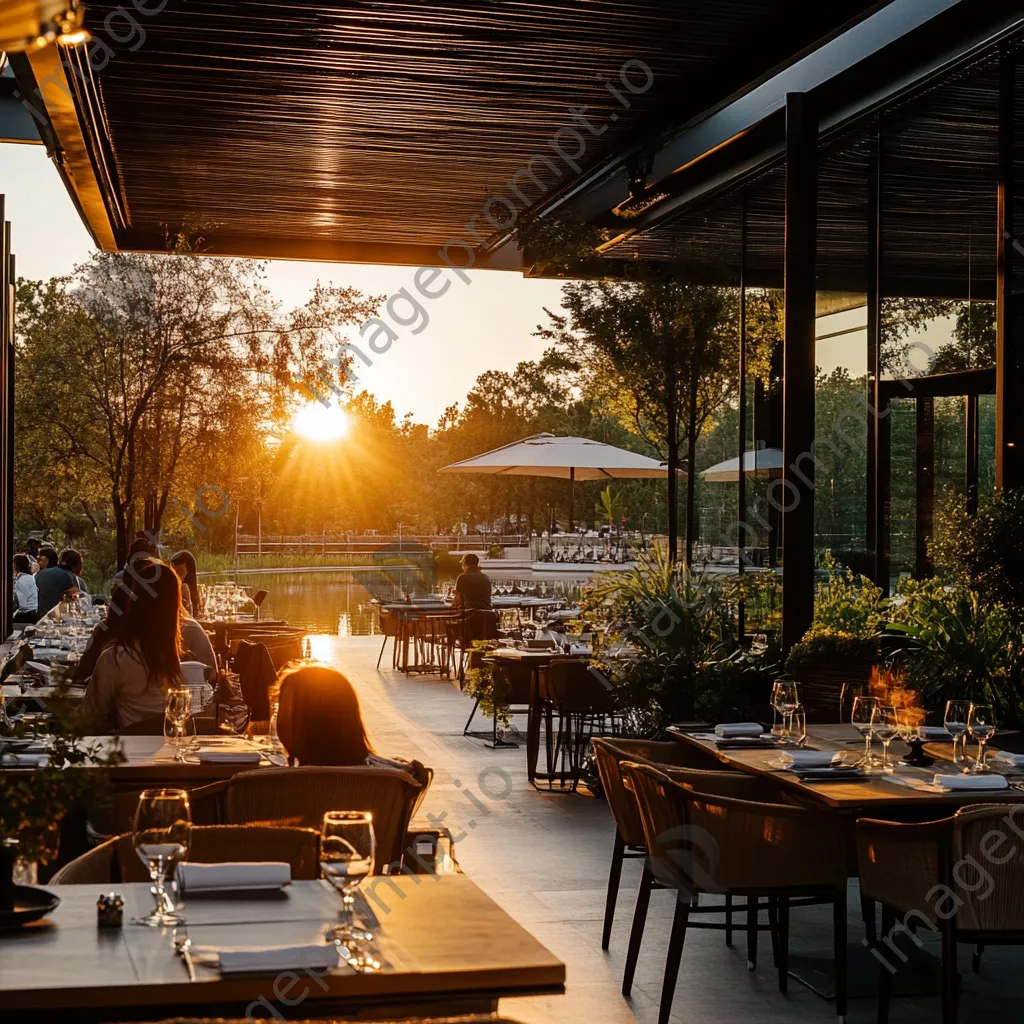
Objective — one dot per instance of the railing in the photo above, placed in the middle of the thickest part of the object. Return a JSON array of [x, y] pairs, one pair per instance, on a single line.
[[352, 543]]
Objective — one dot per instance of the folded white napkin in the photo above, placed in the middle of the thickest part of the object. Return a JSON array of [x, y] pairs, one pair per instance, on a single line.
[[934, 733], [274, 959], [1006, 757], [233, 875], [808, 758], [971, 781], [733, 729], [23, 760], [229, 756], [10, 690]]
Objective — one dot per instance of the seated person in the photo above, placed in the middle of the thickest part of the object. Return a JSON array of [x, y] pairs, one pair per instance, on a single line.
[[473, 587], [133, 671], [56, 581], [26, 594]]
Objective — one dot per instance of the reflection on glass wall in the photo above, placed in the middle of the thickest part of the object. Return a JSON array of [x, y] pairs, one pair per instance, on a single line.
[[929, 336], [903, 515]]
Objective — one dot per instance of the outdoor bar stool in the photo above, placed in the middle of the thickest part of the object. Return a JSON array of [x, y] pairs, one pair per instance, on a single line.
[[959, 876], [389, 628], [629, 830], [705, 843]]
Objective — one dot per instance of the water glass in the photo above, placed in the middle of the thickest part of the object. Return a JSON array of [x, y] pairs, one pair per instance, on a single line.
[[955, 721], [981, 722], [885, 725], [347, 849], [161, 837], [177, 716]]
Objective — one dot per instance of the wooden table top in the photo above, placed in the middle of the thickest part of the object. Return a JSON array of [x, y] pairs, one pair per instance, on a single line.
[[444, 941], [874, 792]]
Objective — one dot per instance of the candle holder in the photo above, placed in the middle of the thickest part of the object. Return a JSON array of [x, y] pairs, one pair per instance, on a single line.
[[917, 756], [110, 910]]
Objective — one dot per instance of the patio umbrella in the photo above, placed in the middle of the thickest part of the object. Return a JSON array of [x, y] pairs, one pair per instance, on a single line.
[[563, 458], [763, 460]]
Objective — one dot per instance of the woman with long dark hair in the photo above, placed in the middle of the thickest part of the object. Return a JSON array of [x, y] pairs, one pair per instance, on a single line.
[[184, 564], [318, 717], [133, 672]]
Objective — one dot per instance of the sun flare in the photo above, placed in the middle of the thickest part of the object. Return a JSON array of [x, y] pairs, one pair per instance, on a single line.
[[319, 422]]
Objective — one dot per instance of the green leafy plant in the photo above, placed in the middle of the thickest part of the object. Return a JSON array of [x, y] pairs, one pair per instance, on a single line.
[[33, 803], [610, 508], [971, 648], [847, 604], [824, 646], [480, 682]]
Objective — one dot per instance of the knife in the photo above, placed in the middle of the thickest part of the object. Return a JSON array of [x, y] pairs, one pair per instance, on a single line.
[[183, 947]]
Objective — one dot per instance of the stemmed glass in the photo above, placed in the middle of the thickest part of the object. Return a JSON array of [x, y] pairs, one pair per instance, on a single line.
[[861, 718], [981, 721], [908, 722], [347, 849], [161, 837], [955, 721], [885, 725], [177, 711], [784, 700], [798, 725]]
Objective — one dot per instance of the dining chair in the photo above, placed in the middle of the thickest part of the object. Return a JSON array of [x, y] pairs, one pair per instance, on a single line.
[[700, 842], [116, 860], [511, 683], [301, 796], [629, 842], [389, 630], [959, 877], [256, 674]]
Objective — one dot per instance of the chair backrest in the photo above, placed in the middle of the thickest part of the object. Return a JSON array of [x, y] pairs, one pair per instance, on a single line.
[[283, 646], [301, 796], [116, 860], [572, 687], [987, 867], [256, 674], [479, 624], [610, 755], [737, 785], [151, 726]]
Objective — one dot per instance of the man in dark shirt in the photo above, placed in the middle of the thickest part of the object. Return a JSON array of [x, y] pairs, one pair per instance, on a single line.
[[56, 580], [472, 588]]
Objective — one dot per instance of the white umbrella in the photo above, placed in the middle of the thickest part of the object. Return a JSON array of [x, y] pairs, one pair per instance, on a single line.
[[763, 460], [563, 458]]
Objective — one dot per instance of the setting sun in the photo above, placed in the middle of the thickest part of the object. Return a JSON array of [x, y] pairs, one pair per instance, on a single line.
[[319, 422]]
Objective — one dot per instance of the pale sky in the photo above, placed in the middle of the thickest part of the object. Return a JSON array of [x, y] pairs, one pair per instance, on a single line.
[[485, 325]]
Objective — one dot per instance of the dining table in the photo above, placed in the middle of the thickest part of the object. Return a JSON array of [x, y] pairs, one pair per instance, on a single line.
[[893, 796], [445, 948]]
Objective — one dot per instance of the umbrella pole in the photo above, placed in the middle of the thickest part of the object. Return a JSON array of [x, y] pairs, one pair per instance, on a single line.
[[572, 494]]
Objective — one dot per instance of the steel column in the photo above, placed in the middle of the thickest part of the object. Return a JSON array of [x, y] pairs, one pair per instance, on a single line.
[[796, 495], [741, 483], [1009, 333], [6, 421]]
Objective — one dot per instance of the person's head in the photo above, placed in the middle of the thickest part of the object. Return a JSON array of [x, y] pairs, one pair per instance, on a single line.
[[184, 564], [71, 560], [22, 564], [32, 546], [470, 561], [142, 546], [318, 718], [48, 557], [150, 598], [141, 535]]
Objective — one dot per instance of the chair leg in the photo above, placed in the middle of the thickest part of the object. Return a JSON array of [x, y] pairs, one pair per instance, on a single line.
[[465, 732], [884, 970], [614, 877], [867, 912], [773, 929], [950, 974], [782, 942], [839, 940], [752, 912], [728, 920], [675, 954], [636, 932], [382, 646]]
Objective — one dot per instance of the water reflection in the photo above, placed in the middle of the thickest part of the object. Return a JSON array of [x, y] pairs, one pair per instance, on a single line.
[[339, 603]]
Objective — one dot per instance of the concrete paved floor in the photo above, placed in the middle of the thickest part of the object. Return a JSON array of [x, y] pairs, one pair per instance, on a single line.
[[544, 858]]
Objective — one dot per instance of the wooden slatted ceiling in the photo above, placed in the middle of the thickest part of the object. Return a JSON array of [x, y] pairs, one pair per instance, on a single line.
[[395, 120]]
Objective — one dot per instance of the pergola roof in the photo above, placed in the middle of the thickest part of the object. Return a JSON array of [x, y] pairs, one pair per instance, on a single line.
[[375, 130]]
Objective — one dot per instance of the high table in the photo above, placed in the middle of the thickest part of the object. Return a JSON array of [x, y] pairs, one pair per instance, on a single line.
[[447, 948]]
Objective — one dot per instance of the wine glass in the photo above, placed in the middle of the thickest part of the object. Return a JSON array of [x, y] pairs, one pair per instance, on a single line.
[[981, 721], [860, 718], [161, 836], [798, 725], [177, 711], [955, 721], [884, 725], [347, 849], [908, 721], [784, 699]]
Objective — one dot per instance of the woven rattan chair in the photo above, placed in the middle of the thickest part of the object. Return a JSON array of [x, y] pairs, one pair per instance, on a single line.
[[629, 830], [702, 843], [301, 796], [116, 860], [962, 877]]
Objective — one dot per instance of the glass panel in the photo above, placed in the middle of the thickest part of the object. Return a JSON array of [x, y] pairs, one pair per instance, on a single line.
[[903, 513], [986, 445]]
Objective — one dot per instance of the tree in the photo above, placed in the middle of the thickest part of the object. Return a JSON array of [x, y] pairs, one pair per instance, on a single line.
[[663, 355], [138, 365]]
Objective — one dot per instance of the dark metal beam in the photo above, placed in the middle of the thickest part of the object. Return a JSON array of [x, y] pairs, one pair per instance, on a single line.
[[797, 493], [1009, 319], [741, 477], [6, 420], [876, 541], [941, 385]]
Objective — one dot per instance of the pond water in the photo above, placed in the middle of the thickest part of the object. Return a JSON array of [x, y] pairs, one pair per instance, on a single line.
[[339, 603]]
